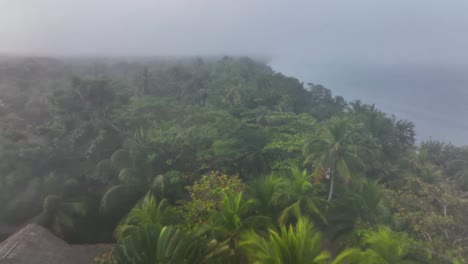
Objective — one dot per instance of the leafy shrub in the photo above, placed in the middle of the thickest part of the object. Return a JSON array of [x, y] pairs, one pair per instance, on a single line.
[[207, 194]]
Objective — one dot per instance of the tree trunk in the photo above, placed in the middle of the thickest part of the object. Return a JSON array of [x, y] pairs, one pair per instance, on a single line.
[[332, 185], [332, 181]]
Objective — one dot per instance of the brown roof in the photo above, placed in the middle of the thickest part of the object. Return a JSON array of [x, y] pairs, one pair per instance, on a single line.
[[35, 244]]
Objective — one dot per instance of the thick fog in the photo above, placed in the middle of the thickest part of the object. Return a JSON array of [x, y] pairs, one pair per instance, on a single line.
[[408, 57], [324, 30]]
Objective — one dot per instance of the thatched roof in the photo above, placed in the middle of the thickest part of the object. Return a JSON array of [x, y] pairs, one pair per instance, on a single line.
[[35, 244]]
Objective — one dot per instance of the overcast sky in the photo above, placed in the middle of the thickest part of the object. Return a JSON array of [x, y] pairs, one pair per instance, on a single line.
[[347, 30]]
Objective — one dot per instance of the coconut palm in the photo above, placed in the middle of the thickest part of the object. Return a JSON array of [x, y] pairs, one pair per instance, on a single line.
[[267, 192], [296, 244], [332, 151], [301, 195], [365, 205]]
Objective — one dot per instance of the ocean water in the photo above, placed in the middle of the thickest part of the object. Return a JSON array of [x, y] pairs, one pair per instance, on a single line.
[[433, 96]]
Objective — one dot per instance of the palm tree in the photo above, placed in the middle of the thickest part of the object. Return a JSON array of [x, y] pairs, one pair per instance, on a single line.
[[296, 244], [357, 207], [118, 199], [146, 212], [143, 82], [382, 246], [332, 150], [168, 186], [131, 187], [371, 204], [231, 220], [268, 194], [233, 96], [127, 184], [386, 245], [300, 192], [132, 183], [59, 215], [153, 244]]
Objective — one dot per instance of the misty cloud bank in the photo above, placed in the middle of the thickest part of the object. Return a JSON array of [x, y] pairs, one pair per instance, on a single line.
[[362, 30]]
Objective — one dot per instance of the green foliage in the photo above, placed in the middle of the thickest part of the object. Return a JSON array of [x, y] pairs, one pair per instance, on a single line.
[[357, 207], [60, 215], [439, 152], [119, 130], [297, 243], [104, 170], [121, 159], [153, 244], [333, 151], [324, 104], [119, 198], [430, 213], [268, 194], [147, 212], [207, 194], [378, 246], [301, 195], [232, 219], [168, 185], [288, 131], [129, 176], [384, 246]]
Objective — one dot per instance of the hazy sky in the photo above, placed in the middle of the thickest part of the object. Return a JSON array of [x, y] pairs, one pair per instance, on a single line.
[[367, 30]]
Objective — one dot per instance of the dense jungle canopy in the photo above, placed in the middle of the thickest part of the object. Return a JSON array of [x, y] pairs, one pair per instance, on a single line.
[[210, 160]]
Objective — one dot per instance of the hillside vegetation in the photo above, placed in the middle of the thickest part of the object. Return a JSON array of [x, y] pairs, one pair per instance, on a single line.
[[221, 161]]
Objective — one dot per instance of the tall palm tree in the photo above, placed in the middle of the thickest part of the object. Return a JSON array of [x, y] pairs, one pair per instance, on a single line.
[[332, 151], [296, 244]]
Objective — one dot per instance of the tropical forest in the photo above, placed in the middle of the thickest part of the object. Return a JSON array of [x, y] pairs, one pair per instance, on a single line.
[[221, 160]]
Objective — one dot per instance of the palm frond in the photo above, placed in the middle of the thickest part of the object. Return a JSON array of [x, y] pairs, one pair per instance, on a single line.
[[146, 212], [231, 220], [119, 196], [155, 244], [292, 244]]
